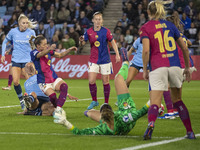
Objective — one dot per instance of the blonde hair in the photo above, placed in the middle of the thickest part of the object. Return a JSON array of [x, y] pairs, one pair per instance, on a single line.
[[30, 69], [31, 24], [175, 20], [157, 10]]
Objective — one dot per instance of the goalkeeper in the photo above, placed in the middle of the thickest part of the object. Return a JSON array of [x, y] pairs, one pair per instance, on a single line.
[[119, 122]]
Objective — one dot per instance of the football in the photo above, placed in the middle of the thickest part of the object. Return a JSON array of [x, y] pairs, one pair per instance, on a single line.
[[161, 110]]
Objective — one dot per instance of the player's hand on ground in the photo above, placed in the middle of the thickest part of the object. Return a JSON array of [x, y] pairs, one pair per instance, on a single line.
[[3, 59], [68, 125], [145, 74], [187, 74], [117, 58], [72, 97]]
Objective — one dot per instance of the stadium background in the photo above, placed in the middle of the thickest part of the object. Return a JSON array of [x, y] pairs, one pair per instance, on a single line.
[[30, 132], [122, 17]]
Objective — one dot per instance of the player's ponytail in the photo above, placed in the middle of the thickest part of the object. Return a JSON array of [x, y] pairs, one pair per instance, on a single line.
[[157, 10], [31, 42], [31, 24], [34, 41]]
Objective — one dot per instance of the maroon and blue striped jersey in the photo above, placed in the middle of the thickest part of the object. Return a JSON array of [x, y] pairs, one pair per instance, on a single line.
[[162, 35], [100, 52], [43, 65]]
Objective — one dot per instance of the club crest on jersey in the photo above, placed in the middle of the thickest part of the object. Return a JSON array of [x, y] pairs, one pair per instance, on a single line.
[[96, 36], [27, 36], [97, 43], [126, 105]]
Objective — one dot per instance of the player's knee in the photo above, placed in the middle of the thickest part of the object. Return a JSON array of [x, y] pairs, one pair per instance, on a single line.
[[34, 95], [63, 87], [16, 83]]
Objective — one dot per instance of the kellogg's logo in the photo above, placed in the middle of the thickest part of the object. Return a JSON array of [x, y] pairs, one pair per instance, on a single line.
[[5, 67], [76, 70]]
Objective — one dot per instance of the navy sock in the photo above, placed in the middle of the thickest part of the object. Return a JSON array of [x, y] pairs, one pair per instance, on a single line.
[[18, 90]]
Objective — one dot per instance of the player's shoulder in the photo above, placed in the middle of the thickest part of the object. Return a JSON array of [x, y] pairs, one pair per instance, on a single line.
[[30, 30], [34, 52], [104, 28], [14, 30]]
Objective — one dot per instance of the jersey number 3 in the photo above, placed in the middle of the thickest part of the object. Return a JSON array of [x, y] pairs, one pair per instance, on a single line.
[[167, 40]]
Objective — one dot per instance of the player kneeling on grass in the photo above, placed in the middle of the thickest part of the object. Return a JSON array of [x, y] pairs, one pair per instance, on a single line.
[[119, 122], [37, 103]]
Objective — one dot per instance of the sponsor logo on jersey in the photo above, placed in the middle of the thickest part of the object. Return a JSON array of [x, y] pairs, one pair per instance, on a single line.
[[97, 43], [125, 118]]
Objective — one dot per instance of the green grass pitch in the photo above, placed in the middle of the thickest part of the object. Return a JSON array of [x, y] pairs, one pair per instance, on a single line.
[[38, 133]]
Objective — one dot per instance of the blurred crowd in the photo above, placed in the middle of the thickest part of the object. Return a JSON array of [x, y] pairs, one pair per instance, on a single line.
[[63, 21], [135, 15], [60, 21]]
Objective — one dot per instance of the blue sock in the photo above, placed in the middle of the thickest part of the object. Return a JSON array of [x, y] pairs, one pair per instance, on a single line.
[[18, 90], [32, 98]]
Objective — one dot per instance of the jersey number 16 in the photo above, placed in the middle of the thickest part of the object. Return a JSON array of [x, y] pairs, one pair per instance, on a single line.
[[166, 44]]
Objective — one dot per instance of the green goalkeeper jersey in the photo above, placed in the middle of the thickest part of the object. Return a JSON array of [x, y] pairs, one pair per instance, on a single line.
[[124, 119]]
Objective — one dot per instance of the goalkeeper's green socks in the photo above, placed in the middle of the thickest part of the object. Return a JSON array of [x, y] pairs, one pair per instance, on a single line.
[[124, 70]]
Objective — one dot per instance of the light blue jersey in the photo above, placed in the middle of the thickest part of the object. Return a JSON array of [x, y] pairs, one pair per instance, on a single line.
[[31, 85], [137, 59], [21, 46]]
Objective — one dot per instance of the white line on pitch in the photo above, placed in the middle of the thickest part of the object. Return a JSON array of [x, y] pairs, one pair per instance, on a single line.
[[61, 134], [85, 99], [156, 143]]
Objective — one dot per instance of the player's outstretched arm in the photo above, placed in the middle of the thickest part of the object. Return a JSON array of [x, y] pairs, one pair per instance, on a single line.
[[44, 52], [61, 55]]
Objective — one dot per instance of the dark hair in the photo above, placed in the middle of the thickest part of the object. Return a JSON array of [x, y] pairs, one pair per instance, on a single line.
[[37, 40]]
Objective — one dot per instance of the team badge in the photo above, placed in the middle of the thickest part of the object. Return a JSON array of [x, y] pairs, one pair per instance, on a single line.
[[126, 105], [27, 36], [46, 56], [97, 43], [96, 36]]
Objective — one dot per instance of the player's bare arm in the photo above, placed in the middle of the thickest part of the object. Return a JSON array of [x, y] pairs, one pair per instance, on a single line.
[[61, 55], [114, 45], [145, 57], [46, 51]]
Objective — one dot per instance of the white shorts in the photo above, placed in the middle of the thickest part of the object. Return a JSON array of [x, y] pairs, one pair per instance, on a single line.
[[192, 69], [45, 86], [104, 69], [159, 78]]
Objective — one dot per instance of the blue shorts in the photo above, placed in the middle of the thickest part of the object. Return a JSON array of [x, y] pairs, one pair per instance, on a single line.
[[20, 65], [42, 100], [135, 66]]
